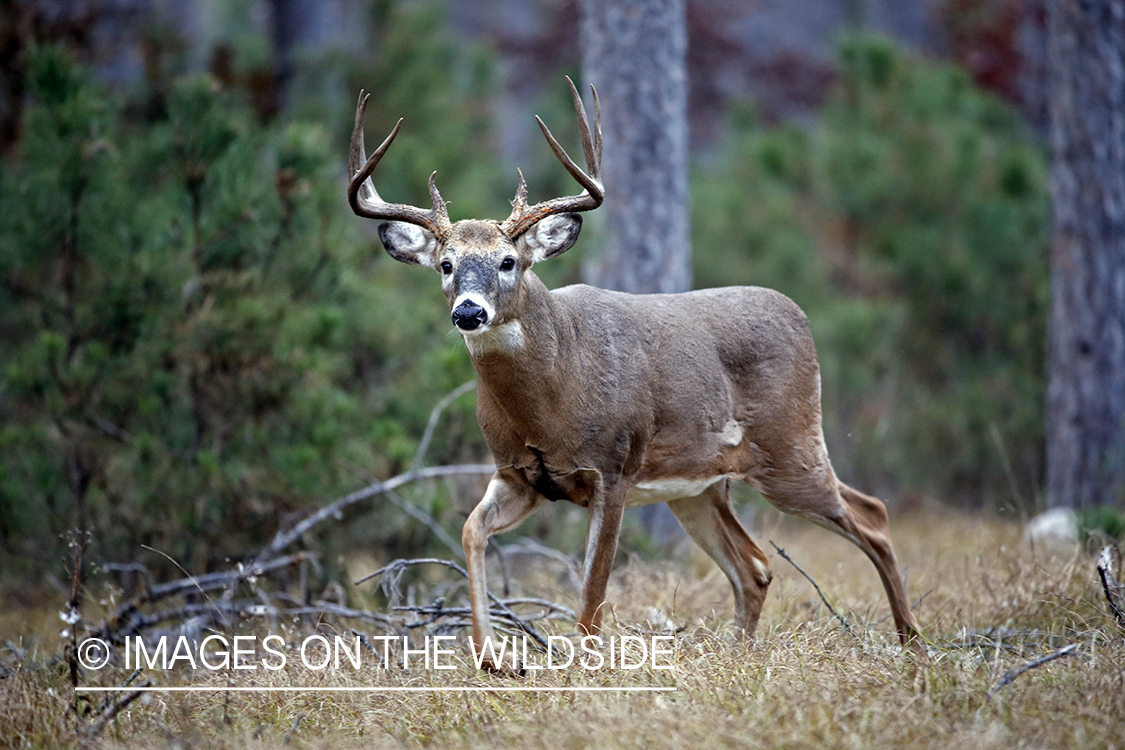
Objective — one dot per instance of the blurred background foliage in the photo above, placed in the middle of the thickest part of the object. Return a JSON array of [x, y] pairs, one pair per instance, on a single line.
[[200, 342]]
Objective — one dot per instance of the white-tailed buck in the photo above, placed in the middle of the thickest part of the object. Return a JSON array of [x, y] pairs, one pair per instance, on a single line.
[[611, 400]]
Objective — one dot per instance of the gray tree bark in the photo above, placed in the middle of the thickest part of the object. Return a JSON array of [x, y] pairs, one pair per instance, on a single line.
[[1086, 394], [635, 52]]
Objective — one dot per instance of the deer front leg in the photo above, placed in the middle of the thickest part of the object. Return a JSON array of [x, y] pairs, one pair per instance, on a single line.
[[506, 503], [606, 513]]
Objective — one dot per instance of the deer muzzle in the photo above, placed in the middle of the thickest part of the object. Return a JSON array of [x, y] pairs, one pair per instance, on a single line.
[[468, 316]]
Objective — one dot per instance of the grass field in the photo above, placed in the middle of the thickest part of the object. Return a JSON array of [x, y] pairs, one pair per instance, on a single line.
[[991, 605]]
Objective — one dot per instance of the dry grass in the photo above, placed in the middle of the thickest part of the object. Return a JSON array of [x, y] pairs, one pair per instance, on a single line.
[[803, 682]]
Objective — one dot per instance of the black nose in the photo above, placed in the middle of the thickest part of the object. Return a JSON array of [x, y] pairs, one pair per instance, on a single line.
[[469, 316]]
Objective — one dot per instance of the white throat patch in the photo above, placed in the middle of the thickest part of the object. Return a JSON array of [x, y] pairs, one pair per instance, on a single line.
[[506, 337]]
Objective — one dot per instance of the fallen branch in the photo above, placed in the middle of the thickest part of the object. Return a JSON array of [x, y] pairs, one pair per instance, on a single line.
[[123, 617], [284, 538], [1009, 677], [438, 609], [224, 611], [110, 712], [823, 598], [398, 566], [347, 613], [546, 604]]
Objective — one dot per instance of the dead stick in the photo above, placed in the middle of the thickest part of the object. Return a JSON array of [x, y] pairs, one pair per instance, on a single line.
[[1009, 677], [208, 581], [417, 561], [823, 598], [109, 698], [108, 715], [400, 564], [284, 538]]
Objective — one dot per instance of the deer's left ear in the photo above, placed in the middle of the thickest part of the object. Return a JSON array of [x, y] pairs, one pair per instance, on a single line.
[[553, 235]]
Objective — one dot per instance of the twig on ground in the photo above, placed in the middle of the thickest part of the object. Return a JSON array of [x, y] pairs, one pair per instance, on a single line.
[[823, 598], [546, 604], [398, 566], [1105, 572], [284, 538], [211, 612], [222, 579], [1010, 676], [327, 608], [92, 731], [367, 645], [105, 704], [123, 617], [435, 612]]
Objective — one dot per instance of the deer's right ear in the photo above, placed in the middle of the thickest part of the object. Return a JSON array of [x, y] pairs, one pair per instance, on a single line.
[[408, 243]]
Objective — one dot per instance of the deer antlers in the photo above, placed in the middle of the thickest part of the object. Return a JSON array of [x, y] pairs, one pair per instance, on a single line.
[[523, 218], [365, 200]]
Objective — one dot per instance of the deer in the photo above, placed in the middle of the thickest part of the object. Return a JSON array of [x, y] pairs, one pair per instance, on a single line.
[[611, 400]]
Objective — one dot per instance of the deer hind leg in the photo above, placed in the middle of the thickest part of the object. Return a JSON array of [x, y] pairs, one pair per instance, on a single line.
[[710, 521], [505, 505], [865, 523], [814, 492]]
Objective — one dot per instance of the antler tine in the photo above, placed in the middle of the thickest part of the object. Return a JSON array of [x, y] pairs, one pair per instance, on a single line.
[[522, 218], [519, 204], [592, 150], [358, 154], [597, 168], [364, 198]]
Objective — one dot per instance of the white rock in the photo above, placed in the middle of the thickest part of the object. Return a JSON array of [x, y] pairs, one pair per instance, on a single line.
[[1056, 528]]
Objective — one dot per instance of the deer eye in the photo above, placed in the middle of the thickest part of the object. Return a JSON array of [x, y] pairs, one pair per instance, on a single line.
[[446, 267], [507, 264]]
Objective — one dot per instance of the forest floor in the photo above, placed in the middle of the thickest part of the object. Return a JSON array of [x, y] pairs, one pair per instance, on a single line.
[[987, 603]]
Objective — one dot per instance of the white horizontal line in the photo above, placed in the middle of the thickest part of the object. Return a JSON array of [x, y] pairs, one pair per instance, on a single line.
[[389, 689]]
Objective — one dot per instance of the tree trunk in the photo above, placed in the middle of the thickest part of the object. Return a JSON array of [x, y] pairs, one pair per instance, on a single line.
[[634, 52], [1086, 396]]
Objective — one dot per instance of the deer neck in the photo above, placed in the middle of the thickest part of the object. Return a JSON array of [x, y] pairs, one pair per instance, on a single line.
[[526, 353]]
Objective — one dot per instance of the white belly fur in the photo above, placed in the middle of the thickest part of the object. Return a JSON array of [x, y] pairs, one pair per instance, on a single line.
[[663, 490]]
